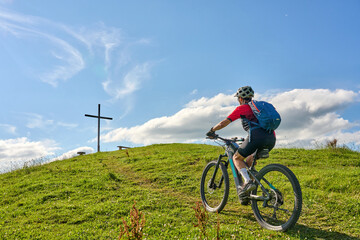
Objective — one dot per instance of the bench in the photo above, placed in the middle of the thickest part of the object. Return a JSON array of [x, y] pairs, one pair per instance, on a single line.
[[122, 147]]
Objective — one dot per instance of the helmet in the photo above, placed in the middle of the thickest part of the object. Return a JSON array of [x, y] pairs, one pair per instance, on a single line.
[[245, 92]]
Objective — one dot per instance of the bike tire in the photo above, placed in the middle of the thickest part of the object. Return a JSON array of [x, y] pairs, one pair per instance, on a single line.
[[214, 200], [282, 177]]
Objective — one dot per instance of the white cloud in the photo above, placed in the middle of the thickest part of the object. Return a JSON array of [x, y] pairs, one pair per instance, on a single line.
[[73, 153], [347, 138], [22, 148], [311, 114], [307, 115], [18, 151], [189, 124]]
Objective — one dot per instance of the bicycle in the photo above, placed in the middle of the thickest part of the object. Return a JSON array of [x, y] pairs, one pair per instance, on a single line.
[[277, 188]]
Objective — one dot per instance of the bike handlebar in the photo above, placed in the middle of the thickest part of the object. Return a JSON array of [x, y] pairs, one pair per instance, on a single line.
[[235, 139]]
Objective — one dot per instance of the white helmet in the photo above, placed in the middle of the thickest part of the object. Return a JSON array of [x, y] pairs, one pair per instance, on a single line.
[[245, 92]]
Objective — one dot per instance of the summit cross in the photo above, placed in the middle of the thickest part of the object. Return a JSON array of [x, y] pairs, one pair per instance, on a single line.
[[98, 117]]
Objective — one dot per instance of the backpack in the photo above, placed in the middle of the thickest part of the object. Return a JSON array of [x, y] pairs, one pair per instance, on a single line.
[[266, 114]]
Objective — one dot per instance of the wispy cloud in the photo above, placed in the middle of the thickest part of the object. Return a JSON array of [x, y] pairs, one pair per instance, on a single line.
[[70, 60], [8, 128], [123, 74], [308, 115], [195, 91], [6, 1], [37, 121], [67, 125], [129, 83], [34, 120]]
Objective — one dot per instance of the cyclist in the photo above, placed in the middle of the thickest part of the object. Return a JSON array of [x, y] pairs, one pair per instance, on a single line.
[[257, 137]]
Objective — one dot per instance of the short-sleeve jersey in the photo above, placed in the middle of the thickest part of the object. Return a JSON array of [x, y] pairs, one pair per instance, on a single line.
[[245, 113]]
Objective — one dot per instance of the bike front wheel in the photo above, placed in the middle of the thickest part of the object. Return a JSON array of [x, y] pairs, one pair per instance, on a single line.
[[283, 209], [214, 187]]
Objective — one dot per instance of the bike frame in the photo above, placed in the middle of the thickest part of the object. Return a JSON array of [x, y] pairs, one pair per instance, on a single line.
[[231, 148], [272, 199]]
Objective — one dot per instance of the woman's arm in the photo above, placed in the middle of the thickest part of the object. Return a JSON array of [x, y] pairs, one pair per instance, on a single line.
[[221, 125]]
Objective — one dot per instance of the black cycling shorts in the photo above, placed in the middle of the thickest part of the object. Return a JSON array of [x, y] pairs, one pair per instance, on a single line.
[[259, 139]]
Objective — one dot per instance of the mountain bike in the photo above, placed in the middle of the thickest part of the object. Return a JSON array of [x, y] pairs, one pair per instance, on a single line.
[[277, 199]]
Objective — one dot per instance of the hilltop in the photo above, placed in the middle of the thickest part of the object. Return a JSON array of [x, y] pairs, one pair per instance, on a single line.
[[86, 197]]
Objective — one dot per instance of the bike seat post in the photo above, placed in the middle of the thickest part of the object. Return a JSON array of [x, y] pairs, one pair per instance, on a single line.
[[253, 163], [256, 157]]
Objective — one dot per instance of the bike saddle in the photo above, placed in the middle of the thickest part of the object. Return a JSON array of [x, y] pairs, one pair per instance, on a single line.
[[262, 153]]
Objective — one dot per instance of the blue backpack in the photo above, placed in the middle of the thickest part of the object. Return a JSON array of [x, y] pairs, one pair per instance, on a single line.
[[266, 114]]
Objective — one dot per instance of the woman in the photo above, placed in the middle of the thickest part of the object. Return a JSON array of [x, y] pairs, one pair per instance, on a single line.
[[258, 138]]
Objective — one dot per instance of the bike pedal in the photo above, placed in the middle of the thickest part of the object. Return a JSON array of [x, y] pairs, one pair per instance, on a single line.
[[245, 202]]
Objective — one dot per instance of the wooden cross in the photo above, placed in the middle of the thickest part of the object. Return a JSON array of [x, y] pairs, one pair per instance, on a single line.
[[98, 117]]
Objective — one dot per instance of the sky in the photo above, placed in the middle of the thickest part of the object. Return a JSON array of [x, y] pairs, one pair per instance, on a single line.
[[166, 71]]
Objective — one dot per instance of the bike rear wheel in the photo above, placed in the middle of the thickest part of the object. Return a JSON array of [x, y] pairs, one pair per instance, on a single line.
[[284, 207], [214, 194]]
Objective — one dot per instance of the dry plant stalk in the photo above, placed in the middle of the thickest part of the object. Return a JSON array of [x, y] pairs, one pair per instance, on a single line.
[[133, 231], [218, 226], [332, 144], [202, 217]]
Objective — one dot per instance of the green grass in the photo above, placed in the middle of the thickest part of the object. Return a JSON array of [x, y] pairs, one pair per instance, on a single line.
[[87, 196]]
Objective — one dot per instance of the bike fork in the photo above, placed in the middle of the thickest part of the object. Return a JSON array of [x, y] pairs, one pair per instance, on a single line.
[[215, 171]]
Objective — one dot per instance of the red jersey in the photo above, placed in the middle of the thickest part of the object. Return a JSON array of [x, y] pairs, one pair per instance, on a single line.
[[245, 113]]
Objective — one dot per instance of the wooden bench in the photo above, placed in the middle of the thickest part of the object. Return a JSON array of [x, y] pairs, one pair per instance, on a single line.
[[122, 147], [81, 153]]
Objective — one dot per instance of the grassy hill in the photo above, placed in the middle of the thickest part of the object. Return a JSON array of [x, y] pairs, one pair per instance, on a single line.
[[87, 196]]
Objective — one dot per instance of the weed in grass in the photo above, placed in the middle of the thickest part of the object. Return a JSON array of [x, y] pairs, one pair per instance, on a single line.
[[332, 144], [134, 230], [217, 226], [202, 219]]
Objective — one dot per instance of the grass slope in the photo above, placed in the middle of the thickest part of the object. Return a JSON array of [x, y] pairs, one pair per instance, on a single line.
[[85, 197]]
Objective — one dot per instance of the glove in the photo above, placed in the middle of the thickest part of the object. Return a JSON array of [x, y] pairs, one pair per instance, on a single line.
[[211, 134]]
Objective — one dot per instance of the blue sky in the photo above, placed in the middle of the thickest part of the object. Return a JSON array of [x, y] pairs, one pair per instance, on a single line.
[[166, 71]]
